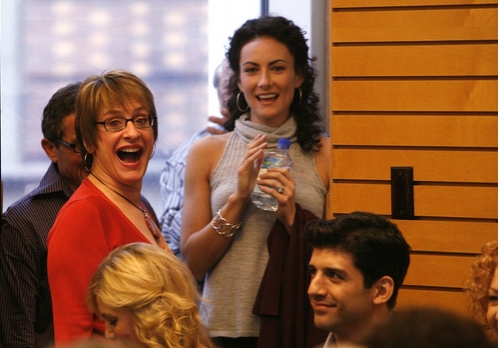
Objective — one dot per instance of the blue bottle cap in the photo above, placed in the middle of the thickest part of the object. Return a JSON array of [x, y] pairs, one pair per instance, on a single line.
[[283, 143]]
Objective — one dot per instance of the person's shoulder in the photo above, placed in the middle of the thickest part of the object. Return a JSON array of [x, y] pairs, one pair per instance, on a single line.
[[86, 199], [19, 207], [33, 206], [206, 152], [214, 139], [324, 150], [211, 144], [82, 216], [43, 190], [325, 141]]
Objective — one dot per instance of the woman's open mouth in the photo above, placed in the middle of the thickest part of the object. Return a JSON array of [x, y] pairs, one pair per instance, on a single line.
[[130, 155], [267, 97]]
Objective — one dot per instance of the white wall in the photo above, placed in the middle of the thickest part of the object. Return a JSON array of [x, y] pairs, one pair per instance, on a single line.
[[312, 16], [225, 16], [297, 11]]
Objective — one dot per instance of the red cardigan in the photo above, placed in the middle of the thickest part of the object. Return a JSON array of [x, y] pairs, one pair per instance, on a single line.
[[287, 318], [87, 228]]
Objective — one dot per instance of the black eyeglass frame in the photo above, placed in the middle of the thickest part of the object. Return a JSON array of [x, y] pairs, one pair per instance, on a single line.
[[151, 122], [72, 146]]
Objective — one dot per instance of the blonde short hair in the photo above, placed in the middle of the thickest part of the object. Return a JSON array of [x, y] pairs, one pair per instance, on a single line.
[[158, 290], [478, 282]]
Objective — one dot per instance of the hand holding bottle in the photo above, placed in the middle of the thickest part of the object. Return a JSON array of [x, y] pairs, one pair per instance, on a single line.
[[247, 172], [278, 158]]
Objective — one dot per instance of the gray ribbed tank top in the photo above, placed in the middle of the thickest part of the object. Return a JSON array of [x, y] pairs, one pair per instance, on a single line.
[[231, 286]]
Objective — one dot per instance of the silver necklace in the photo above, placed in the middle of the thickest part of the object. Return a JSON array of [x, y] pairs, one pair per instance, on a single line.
[[149, 221]]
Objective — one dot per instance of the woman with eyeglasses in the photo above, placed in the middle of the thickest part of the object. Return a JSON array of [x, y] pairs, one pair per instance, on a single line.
[[116, 129]]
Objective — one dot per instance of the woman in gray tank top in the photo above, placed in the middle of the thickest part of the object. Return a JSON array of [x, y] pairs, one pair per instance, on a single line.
[[224, 235]]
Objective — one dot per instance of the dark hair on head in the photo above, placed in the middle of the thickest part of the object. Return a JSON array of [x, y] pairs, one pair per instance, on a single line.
[[113, 88], [377, 246], [61, 105], [306, 111], [429, 328]]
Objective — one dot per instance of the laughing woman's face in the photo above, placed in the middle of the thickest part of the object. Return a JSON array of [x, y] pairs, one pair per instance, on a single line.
[[122, 155], [268, 80]]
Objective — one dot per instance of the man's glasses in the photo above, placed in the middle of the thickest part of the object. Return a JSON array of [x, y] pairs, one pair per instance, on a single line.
[[116, 124], [75, 146]]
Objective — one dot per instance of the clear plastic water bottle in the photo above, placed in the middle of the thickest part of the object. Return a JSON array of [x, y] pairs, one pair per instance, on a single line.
[[275, 158]]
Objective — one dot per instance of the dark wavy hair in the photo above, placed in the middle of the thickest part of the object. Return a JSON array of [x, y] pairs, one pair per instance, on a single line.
[[306, 112], [377, 246]]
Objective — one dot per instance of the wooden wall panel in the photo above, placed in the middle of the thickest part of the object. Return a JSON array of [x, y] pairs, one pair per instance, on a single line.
[[375, 198], [454, 301], [438, 270], [429, 165], [341, 4], [456, 201], [427, 60], [432, 130], [415, 25], [470, 95], [435, 236], [414, 84], [429, 200]]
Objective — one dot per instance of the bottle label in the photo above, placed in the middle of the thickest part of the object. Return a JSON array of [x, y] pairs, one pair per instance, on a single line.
[[262, 171], [269, 162]]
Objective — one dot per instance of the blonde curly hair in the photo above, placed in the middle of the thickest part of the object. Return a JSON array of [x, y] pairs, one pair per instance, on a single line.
[[158, 290], [478, 282]]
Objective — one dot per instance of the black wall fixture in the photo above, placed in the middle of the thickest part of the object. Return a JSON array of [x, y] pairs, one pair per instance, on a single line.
[[402, 189]]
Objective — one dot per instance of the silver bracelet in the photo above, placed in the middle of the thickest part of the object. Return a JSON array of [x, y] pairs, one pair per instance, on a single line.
[[219, 224]]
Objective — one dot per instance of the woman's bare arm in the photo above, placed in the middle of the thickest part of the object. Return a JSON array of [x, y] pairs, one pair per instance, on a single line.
[[201, 245]]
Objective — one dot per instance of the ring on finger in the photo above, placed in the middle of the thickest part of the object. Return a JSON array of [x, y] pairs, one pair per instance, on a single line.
[[280, 189]]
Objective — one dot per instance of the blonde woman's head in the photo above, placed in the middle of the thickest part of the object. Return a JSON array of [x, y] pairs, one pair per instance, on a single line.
[[142, 288]]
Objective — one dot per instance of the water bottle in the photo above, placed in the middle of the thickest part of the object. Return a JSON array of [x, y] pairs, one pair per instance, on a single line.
[[275, 158]]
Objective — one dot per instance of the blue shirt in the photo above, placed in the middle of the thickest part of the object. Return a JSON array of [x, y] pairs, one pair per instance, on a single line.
[[172, 193]]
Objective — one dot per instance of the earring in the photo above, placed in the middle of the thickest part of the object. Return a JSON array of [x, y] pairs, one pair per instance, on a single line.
[[87, 167], [153, 151], [237, 103], [299, 101]]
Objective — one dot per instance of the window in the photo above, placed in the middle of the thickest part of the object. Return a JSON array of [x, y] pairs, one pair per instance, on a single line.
[[47, 44], [173, 45]]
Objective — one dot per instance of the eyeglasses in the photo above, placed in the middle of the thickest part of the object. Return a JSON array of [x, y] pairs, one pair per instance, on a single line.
[[116, 124], [75, 146]]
